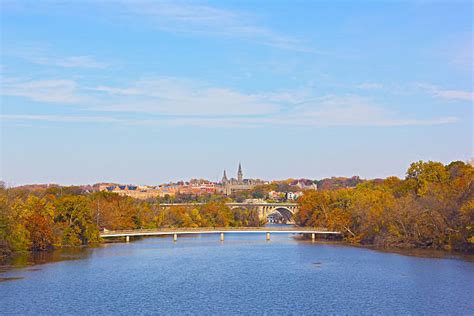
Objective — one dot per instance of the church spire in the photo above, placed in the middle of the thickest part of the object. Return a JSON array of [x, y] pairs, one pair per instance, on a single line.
[[240, 174], [224, 178]]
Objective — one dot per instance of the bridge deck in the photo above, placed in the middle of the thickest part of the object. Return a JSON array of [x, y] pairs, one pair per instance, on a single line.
[[217, 230], [232, 204]]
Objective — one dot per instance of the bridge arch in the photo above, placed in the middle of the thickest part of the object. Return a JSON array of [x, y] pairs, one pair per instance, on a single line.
[[264, 209], [285, 214]]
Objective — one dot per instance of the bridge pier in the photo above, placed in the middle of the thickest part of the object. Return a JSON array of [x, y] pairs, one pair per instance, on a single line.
[[127, 238], [313, 236], [268, 236], [175, 237], [222, 236]]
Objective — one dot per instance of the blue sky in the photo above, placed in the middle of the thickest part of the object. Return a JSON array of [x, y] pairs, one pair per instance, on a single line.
[[151, 91]]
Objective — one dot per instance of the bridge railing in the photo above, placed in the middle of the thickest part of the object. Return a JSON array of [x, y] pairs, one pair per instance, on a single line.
[[217, 229], [231, 203]]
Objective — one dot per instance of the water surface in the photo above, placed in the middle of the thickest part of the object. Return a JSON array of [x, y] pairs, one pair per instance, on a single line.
[[243, 274]]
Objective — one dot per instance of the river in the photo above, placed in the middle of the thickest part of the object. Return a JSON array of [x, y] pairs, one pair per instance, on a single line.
[[245, 274]]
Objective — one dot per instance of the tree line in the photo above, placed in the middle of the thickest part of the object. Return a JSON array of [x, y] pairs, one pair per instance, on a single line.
[[433, 207], [68, 217]]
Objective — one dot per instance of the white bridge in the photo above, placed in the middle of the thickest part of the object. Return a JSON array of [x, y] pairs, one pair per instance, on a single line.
[[215, 230]]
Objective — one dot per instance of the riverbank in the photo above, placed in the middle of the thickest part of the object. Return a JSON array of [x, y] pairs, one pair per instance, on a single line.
[[28, 258]]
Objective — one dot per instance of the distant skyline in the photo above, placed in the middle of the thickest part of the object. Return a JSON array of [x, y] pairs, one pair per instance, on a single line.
[[148, 92]]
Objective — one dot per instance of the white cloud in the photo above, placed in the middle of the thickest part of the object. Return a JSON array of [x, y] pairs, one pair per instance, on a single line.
[[227, 122], [351, 110], [452, 95], [329, 111], [177, 101], [187, 18], [116, 91], [455, 95], [174, 96], [55, 91], [69, 61], [43, 54], [62, 118], [370, 86]]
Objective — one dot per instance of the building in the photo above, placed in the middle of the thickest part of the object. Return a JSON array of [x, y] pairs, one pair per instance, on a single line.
[[232, 185], [293, 195], [276, 196], [137, 192], [305, 184]]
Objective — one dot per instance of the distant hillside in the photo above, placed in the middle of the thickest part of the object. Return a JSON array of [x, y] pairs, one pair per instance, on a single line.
[[37, 187], [338, 183]]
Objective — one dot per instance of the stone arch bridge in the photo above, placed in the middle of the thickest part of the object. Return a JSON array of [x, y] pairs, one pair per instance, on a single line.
[[285, 210]]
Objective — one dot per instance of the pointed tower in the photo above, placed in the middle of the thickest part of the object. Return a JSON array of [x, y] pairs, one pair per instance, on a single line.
[[224, 178], [240, 174]]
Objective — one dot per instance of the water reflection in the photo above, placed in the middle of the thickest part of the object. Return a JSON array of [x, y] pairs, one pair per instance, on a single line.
[[37, 258], [243, 274]]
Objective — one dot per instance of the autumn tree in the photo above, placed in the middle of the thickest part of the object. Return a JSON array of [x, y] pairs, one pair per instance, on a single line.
[[420, 174], [74, 215]]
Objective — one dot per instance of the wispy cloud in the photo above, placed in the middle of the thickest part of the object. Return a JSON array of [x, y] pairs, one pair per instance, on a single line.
[[174, 96], [70, 62], [54, 91], [370, 86], [179, 101], [240, 122], [178, 17], [63, 118], [351, 110], [171, 101], [188, 18], [42, 54], [447, 94]]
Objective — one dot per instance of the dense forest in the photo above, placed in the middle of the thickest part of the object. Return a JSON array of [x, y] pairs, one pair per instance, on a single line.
[[433, 207], [67, 217]]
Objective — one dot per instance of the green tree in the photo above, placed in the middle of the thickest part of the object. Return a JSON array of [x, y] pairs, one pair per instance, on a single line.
[[75, 215], [420, 174]]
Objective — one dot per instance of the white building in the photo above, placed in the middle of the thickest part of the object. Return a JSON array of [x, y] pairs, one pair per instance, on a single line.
[[293, 195]]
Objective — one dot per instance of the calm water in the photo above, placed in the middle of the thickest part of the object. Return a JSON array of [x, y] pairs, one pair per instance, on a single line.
[[243, 274]]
